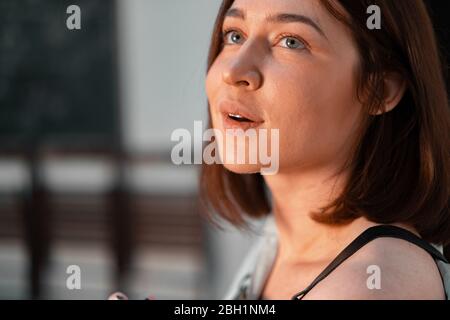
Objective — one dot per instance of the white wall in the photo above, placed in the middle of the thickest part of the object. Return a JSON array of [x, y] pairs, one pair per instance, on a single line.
[[163, 51]]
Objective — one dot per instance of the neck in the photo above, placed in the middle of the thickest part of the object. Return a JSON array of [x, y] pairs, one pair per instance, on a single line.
[[295, 196]]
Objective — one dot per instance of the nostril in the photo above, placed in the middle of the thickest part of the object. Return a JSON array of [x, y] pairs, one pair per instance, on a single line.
[[251, 79], [243, 83]]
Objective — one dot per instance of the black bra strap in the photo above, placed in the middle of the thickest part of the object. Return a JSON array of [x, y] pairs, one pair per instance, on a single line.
[[365, 237]]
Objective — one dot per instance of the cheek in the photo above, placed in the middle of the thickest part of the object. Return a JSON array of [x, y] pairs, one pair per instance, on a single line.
[[209, 83], [211, 89], [316, 113], [214, 86], [213, 80]]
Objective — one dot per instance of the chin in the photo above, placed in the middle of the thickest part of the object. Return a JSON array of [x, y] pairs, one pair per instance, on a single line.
[[243, 168]]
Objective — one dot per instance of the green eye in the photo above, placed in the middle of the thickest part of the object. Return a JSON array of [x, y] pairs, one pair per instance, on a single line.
[[293, 43]]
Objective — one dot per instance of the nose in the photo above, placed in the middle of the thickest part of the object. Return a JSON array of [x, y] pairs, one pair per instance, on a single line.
[[242, 70]]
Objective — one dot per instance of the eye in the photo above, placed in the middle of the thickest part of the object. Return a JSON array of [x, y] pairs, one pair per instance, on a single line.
[[293, 43], [232, 37]]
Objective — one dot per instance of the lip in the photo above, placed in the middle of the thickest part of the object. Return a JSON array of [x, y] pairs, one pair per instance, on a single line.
[[227, 107]]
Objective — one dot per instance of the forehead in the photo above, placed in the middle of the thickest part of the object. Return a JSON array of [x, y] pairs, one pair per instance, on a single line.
[[260, 9]]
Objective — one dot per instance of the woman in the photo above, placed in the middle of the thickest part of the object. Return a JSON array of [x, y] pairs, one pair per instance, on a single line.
[[358, 208]]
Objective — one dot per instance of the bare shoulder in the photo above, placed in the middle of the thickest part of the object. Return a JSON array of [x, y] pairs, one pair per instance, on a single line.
[[385, 268]]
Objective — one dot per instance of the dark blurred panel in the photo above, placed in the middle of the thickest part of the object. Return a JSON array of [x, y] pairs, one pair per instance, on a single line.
[[57, 89], [56, 83]]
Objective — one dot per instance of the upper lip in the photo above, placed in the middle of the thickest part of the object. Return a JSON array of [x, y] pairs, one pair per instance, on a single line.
[[230, 107]]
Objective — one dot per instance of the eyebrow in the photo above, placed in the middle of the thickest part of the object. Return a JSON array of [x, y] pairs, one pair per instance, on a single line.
[[280, 18]]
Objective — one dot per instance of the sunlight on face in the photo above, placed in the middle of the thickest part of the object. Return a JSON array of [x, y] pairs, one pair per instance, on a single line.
[[289, 65]]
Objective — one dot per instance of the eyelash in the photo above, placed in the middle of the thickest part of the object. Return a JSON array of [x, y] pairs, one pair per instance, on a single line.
[[225, 32]]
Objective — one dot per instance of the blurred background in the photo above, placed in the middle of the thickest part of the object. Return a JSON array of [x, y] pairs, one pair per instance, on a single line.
[[86, 177]]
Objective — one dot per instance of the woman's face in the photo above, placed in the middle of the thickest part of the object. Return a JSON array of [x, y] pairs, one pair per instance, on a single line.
[[287, 65]]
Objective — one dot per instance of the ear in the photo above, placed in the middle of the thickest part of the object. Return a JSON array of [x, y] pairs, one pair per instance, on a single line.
[[394, 88]]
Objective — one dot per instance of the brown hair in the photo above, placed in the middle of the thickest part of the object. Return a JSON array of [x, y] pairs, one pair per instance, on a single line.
[[400, 168]]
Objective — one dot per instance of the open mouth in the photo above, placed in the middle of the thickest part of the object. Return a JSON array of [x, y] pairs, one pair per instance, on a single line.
[[238, 118]]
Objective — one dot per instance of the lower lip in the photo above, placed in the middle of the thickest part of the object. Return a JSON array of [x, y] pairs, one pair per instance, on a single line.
[[229, 123]]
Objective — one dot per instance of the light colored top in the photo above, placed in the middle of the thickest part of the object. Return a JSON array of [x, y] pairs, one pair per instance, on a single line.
[[253, 272]]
